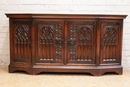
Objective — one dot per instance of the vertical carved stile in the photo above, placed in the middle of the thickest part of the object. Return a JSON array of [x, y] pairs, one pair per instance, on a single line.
[[58, 37], [73, 40]]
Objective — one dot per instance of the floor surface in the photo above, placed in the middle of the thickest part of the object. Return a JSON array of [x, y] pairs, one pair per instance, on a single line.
[[62, 80]]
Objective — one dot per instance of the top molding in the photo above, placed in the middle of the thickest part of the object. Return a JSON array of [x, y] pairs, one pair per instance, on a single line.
[[65, 16]]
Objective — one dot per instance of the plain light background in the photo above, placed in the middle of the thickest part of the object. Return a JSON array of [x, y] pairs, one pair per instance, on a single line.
[[63, 6]]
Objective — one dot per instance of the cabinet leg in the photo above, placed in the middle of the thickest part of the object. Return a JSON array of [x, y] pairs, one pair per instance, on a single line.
[[26, 69]]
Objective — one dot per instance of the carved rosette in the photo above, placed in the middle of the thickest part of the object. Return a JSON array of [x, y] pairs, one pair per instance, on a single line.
[[58, 37], [85, 35], [72, 49]]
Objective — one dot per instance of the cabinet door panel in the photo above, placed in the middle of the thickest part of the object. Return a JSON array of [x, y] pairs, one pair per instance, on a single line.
[[20, 41], [111, 42], [50, 41], [81, 42]]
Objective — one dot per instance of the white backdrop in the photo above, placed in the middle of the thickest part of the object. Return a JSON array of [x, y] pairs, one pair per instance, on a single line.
[[63, 6]]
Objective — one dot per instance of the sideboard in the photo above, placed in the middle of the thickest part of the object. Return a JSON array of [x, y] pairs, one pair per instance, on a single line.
[[69, 43]]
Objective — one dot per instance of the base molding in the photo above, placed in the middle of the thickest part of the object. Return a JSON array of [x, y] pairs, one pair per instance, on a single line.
[[20, 68], [94, 70]]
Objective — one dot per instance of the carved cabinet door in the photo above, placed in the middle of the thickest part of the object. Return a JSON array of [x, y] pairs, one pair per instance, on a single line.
[[80, 41], [50, 41], [111, 37], [20, 41]]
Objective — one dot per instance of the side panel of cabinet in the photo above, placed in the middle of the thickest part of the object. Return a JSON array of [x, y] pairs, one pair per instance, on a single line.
[[81, 42], [49, 41], [111, 42], [20, 41]]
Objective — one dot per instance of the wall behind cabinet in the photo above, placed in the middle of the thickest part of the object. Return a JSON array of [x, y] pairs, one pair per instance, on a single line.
[[63, 6]]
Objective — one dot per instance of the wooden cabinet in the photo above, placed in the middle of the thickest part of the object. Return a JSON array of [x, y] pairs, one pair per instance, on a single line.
[[81, 42], [111, 39], [49, 37], [78, 43]]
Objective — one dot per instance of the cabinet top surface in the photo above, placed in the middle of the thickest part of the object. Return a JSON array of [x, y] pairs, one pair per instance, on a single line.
[[89, 16]]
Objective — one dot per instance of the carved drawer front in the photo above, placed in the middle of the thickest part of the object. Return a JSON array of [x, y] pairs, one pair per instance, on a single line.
[[111, 42], [50, 42], [80, 42], [20, 41]]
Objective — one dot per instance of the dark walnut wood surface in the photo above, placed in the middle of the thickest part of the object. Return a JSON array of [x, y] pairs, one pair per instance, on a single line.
[[77, 43]]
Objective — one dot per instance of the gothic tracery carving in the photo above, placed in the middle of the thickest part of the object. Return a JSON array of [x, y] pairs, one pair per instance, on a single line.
[[110, 40], [110, 35], [22, 40], [85, 33], [22, 34], [49, 34], [46, 35], [80, 35]]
